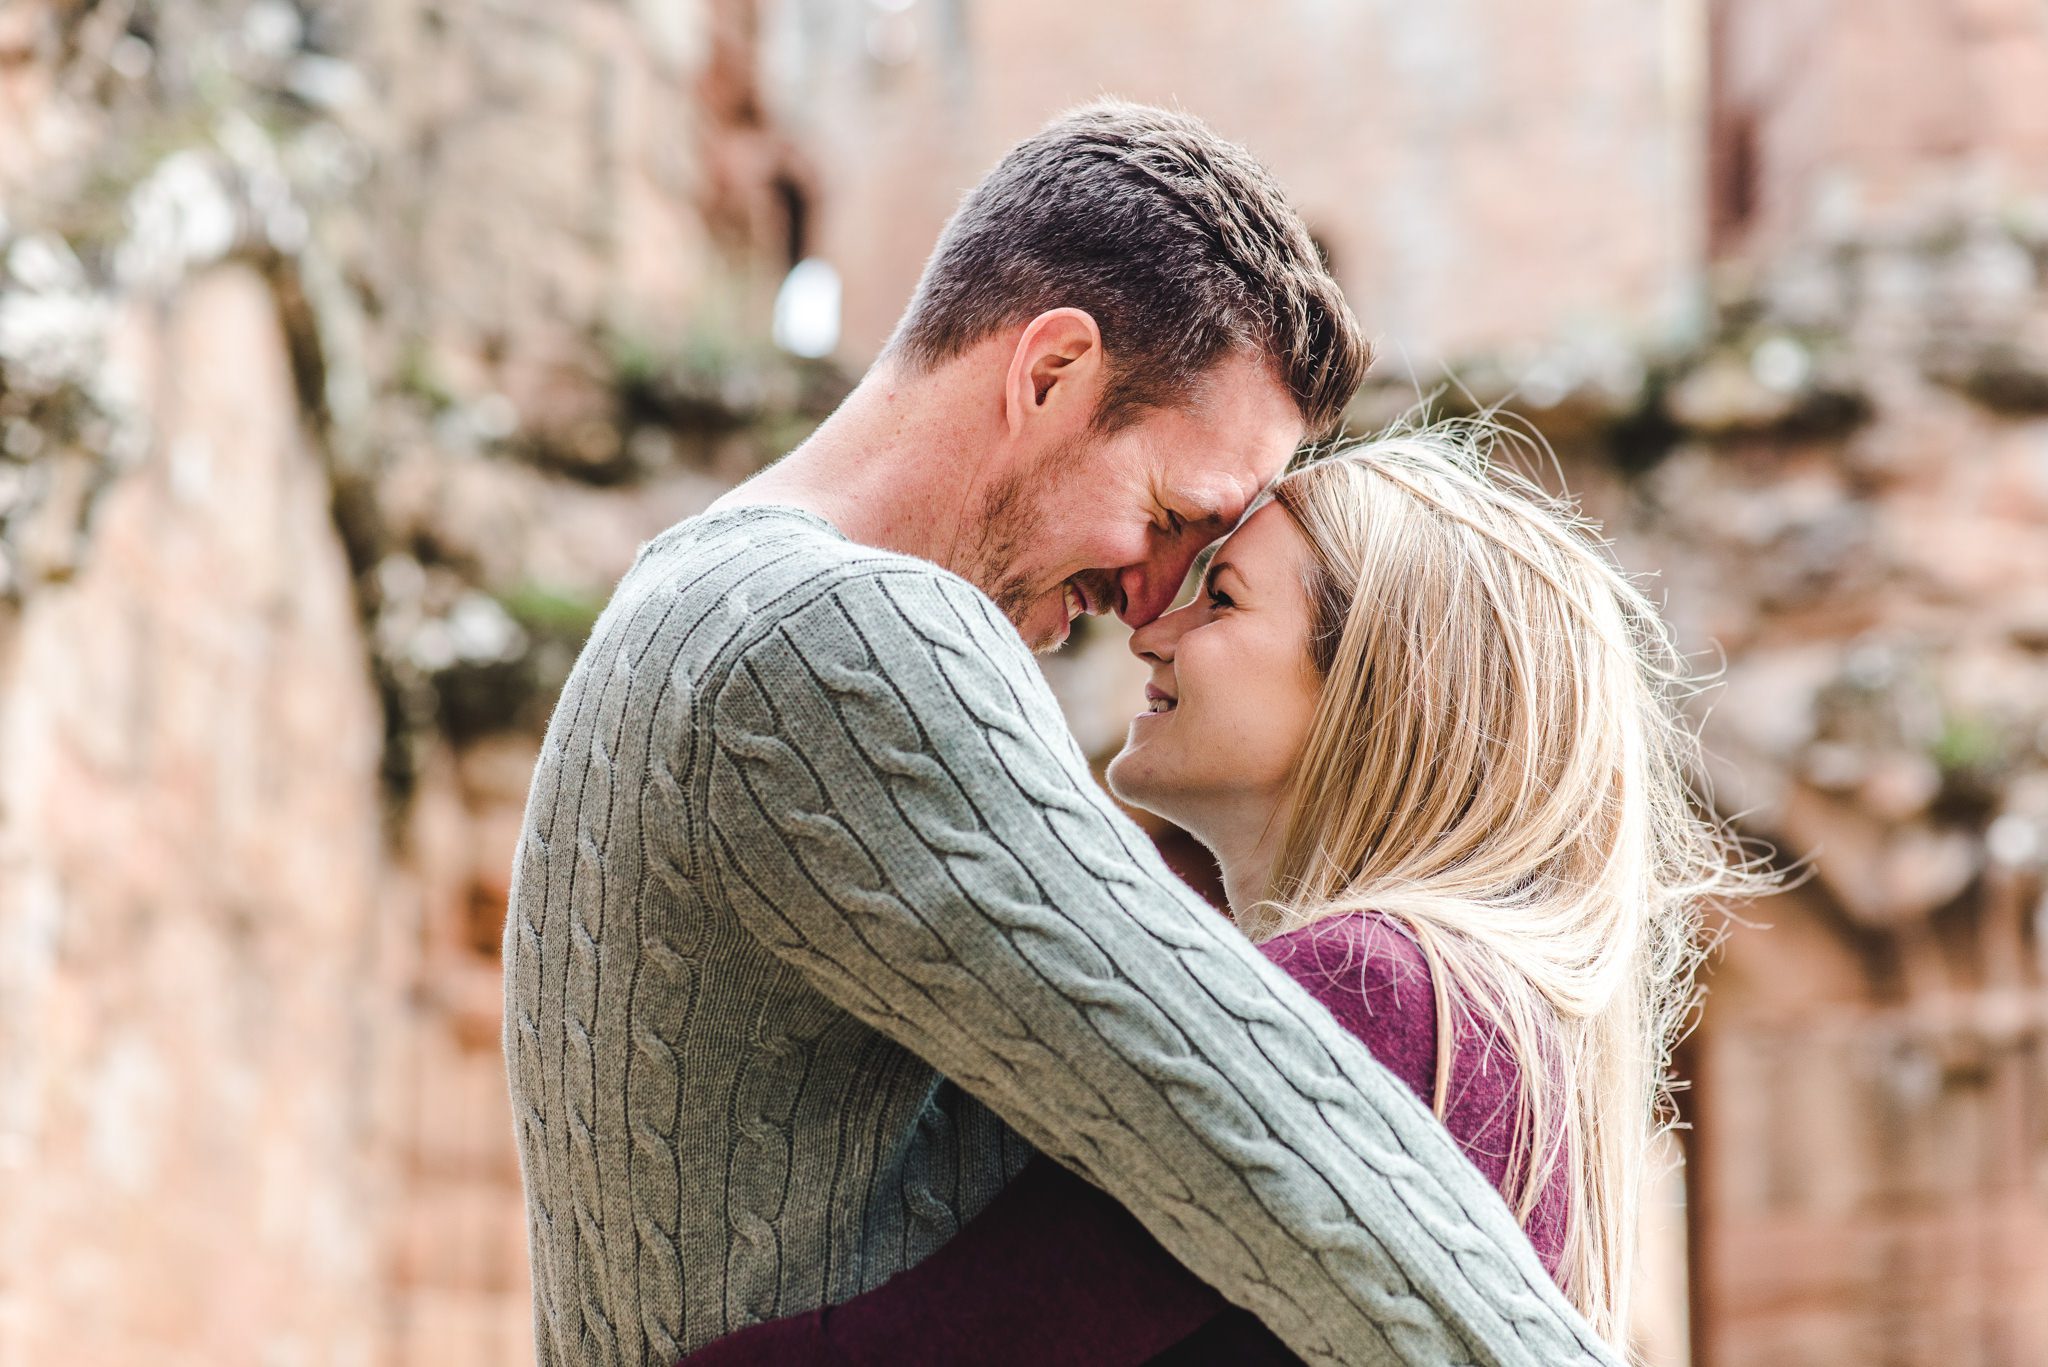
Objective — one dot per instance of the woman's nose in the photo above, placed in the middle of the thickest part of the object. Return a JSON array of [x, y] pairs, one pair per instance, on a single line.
[[1155, 641]]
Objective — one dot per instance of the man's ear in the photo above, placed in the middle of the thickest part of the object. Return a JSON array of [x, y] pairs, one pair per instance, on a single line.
[[1056, 370]]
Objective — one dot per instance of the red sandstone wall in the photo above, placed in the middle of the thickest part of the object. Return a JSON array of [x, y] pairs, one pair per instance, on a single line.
[[311, 340], [199, 931], [1833, 115], [1869, 1180], [1483, 174], [253, 1108]]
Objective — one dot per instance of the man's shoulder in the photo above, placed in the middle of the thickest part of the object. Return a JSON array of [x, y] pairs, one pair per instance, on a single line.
[[755, 540], [773, 558], [768, 571]]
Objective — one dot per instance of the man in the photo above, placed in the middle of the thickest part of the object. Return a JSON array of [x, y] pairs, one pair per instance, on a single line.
[[817, 908]]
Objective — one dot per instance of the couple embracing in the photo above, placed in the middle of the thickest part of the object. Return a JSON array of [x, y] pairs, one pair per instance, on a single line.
[[848, 1020]]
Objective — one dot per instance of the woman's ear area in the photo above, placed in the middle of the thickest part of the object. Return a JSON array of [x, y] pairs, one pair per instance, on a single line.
[[1056, 368]]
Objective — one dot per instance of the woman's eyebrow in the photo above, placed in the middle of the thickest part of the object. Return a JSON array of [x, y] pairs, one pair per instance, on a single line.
[[1217, 567]]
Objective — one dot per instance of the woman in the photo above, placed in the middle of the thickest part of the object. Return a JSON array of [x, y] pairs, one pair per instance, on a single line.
[[1430, 733]]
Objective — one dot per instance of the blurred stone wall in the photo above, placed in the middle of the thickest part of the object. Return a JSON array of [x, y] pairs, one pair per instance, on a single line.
[[1856, 509], [347, 353], [194, 1002], [346, 356], [1482, 173], [1840, 484]]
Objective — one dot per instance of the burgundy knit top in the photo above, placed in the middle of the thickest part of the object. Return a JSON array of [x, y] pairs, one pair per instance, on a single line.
[[1056, 1271]]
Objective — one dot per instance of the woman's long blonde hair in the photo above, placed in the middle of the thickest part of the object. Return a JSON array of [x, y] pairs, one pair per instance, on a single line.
[[1498, 761]]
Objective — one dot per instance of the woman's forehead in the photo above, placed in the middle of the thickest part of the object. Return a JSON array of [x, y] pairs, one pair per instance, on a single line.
[[1267, 533]]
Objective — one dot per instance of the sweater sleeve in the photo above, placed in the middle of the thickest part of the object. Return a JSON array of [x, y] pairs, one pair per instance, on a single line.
[[897, 809]]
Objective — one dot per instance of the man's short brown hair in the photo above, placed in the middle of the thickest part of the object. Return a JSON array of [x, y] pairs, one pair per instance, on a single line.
[[1178, 243]]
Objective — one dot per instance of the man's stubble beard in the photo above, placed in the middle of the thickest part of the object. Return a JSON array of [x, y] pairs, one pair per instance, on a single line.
[[1013, 523], [1008, 521]]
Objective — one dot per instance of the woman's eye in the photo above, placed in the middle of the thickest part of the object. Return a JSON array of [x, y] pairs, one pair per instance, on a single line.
[[1220, 599]]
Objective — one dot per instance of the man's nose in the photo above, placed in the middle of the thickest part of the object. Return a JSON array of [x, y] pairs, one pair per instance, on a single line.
[[1149, 588]]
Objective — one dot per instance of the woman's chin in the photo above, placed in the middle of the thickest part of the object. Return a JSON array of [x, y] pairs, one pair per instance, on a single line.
[[1131, 780]]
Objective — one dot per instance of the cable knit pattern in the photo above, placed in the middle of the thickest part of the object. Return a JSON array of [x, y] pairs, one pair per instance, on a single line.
[[809, 838]]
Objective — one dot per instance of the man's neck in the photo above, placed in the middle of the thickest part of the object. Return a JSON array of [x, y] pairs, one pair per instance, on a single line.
[[891, 468]]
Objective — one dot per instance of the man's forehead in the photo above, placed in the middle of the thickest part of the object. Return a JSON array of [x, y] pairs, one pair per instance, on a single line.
[[1225, 496], [1248, 428]]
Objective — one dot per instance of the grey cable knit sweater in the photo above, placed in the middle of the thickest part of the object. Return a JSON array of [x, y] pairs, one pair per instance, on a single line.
[[817, 909]]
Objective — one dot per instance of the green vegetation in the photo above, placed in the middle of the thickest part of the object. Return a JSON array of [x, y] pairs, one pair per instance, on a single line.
[[553, 613], [1971, 743]]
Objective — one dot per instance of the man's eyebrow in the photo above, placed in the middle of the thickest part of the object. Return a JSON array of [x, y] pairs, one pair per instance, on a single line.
[[1196, 507], [1207, 503]]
